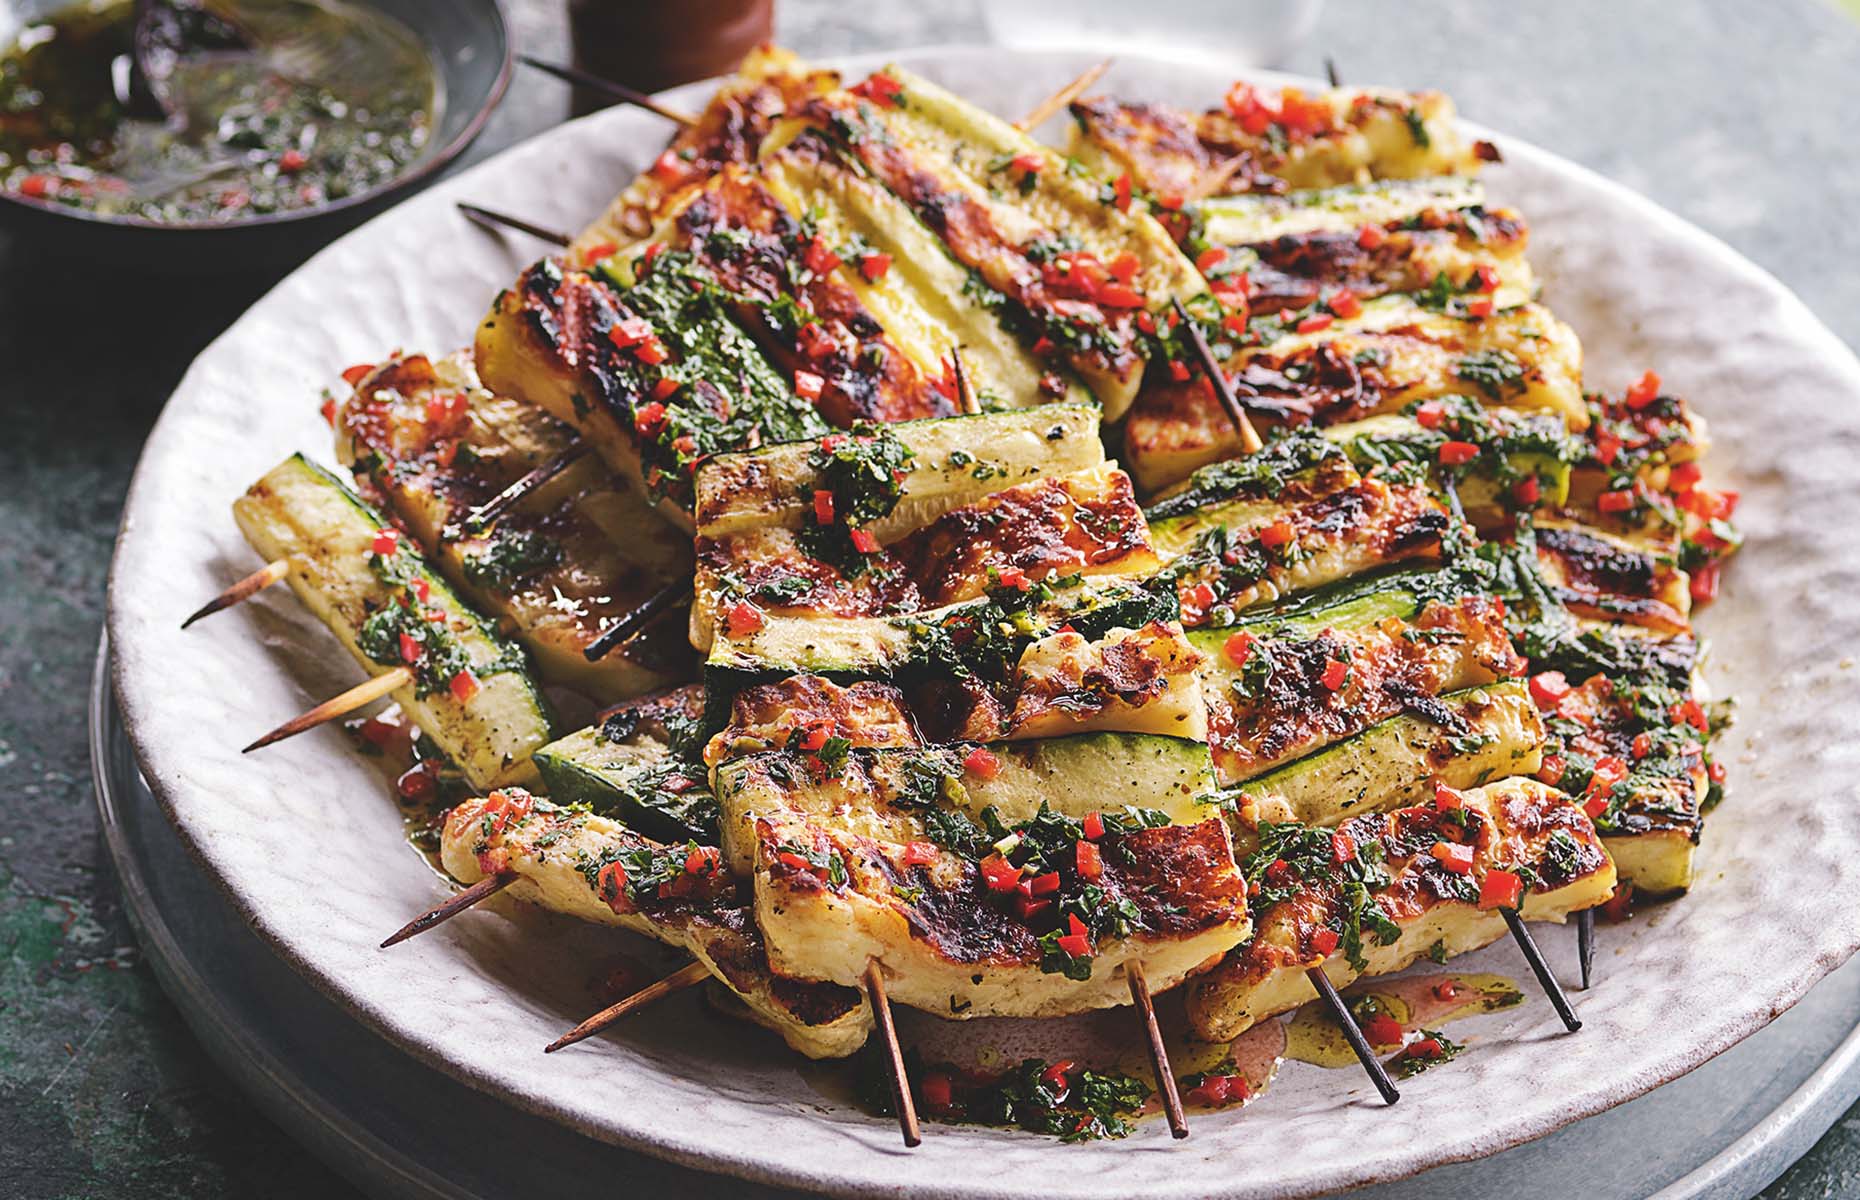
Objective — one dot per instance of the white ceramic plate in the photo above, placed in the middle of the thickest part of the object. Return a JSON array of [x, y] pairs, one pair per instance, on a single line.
[[302, 840]]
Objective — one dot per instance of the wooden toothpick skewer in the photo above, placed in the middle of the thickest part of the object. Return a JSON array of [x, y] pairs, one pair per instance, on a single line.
[[1585, 944], [245, 589], [490, 219], [337, 706], [1541, 969], [618, 91], [1159, 1055], [451, 907], [689, 975], [894, 1056], [1217, 379], [966, 399], [627, 626], [1340, 1013], [1330, 72], [1062, 97], [501, 503]]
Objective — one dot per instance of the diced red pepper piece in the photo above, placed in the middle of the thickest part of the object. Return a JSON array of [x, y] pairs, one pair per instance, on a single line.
[[464, 686], [1615, 502], [981, 763], [1094, 825], [1684, 477], [1486, 276], [1076, 944], [1643, 391], [939, 1094], [1500, 889], [1455, 454], [1425, 1048], [1642, 746], [1315, 322], [1596, 804], [823, 506], [1277, 535], [1430, 414], [1548, 688], [1117, 295], [667, 167], [1704, 583], [1384, 1030], [1089, 862], [1454, 857], [1552, 769], [864, 542], [1202, 596], [386, 542], [1238, 648], [744, 618], [1121, 193], [1371, 236], [1178, 370], [1342, 846], [597, 252], [1527, 490], [999, 874], [1015, 578], [808, 385], [1210, 258], [652, 352], [819, 257], [873, 266], [629, 332], [702, 859], [1324, 942], [1123, 267], [1479, 306], [1344, 303], [1447, 799], [649, 419], [919, 854], [1336, 674], [410, 648], [815, 737]]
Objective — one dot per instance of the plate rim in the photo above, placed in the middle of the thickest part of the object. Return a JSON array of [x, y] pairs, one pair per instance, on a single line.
[[682, 1148]]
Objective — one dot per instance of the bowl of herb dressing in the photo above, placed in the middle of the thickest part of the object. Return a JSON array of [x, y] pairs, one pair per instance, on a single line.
[[281, 124]]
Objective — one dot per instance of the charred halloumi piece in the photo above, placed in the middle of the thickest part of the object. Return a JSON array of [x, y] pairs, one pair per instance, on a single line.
[[1600, 577], [1295, 248], [1010, 782], [1435, 876], [1463, 739], [1395, 352], [731, 129], [594, 868], [1068, 656], [426, 439], [1086, 523], [849, 872], [1075, 270], [1285, 687], [929, 304], [1633, 750], [786, 282], [472, 692], [812, 715], [656, 378], [1267, 140]]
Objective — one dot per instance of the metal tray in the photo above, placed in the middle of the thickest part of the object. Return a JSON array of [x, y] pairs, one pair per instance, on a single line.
[[397, 1128]]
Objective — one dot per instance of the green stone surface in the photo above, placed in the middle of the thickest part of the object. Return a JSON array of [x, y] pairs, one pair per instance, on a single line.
[[1736, 116]]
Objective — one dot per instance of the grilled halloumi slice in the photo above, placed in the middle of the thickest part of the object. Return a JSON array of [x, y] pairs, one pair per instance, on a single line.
[[432, 444], [768, 82], [1633, 747], [1394, 353], [1010, 209], [1463, 739], [850, 871], [1600, 577], [472, 692], [594, 868], [1085, 523], [1435, 876], [656, 378], [1284, 687], [1267, 140], [807, 712], [928, 303]]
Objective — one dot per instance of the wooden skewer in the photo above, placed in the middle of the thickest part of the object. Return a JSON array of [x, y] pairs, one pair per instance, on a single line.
[[966, 399], [689, 975], [1062, 97], [627, 626], [1159, 1055], [1330, 72], [1341, 1014], [245, 589], [451, 907], [1585, 944], [337, 706], [1539, 968], [900, 1084], [489, 219], [501, 503], [618, 91], [1217, 378]]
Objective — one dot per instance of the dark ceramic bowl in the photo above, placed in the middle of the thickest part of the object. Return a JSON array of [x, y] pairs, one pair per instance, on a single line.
[[469, 41]]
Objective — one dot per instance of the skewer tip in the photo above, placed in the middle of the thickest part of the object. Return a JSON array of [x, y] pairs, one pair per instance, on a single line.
[[1532, 955], [451, 907], [1378, 1074], [686, 976], [244, 589], [1159, 1053], [901, 1097], [1585, 944]]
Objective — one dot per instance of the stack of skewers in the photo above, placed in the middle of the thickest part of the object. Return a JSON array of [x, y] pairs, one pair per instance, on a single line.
[[796, 460]]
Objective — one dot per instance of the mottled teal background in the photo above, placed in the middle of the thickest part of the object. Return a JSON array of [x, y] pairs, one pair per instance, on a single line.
[[1738, 116]]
